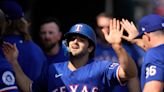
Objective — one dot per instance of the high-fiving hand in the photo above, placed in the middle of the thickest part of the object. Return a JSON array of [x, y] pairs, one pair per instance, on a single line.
[[130, 28], [132, 31], [114, 34]]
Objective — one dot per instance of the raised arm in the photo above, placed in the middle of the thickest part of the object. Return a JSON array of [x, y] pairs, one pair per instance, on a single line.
[[113, 36], [11, 53]]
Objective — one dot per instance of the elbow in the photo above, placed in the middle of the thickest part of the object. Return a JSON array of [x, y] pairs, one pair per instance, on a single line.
[[127, 74]]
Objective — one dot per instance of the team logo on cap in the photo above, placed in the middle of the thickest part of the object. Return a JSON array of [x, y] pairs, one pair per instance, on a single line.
[[143, 29], [8, 78], [78, 27]]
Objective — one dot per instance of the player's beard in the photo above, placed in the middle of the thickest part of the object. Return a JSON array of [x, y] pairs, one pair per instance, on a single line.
[[78, 55], [49, 47]]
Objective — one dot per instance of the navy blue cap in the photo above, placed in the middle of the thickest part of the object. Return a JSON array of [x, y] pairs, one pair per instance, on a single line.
[[150, 23], [12, 9]]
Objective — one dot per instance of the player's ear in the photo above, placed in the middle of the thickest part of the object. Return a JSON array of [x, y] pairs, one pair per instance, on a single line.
[[147, 36], [90, 49]]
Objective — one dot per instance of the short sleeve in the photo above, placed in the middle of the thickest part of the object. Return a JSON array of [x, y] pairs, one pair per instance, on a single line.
[[154, 67], [111, 76], [7, 81], [154, 72]]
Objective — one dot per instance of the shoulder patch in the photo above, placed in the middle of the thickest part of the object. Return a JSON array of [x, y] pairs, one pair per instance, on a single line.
[[8, 78]]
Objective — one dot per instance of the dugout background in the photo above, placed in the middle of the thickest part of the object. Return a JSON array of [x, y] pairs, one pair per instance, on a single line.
[[70, 12]]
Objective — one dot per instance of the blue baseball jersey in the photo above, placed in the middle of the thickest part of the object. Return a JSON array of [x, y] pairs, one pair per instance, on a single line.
[[153, 65], [61, 56], [7, 77], [95, 76], [31, 58]]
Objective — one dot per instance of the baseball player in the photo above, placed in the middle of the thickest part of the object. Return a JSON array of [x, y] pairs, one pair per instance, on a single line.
[[104, 51], [31, 57], [7, 77], [50, 37], [80, 73], [150, 37]]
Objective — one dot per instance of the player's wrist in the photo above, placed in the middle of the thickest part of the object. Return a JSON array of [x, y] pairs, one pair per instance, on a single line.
[[13, 62], [116, 46]]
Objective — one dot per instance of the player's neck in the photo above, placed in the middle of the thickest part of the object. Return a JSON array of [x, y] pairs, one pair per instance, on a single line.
[[76, 63], [157, 41]]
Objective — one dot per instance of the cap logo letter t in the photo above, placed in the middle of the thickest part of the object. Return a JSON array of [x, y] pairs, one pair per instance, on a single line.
[[78, 27]]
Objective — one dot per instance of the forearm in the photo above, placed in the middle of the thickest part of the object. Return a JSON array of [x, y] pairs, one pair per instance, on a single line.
[[134, 85], [128, 68], [22, 80]]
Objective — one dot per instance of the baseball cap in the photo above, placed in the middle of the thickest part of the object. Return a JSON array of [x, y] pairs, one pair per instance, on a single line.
[[83, 30], [150, 23], [12, 9]]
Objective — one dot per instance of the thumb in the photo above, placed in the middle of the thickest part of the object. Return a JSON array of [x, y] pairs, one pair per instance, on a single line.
[[125, 37], [105, 32], [15, 47]]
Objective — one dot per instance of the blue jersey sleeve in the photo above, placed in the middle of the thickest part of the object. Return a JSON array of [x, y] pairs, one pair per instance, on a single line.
[[112, 70], [154, 66], [111, 76], [7, 81]]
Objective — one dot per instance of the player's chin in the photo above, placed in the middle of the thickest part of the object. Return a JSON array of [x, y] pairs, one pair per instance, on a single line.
[[74, 53]]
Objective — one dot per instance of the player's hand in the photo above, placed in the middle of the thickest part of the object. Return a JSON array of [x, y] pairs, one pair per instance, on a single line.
[[131, 29], [113, 35], [10, 51]]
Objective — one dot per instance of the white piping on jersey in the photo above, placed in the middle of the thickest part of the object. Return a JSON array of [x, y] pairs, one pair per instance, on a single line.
[[118, 78], [8, 88]]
